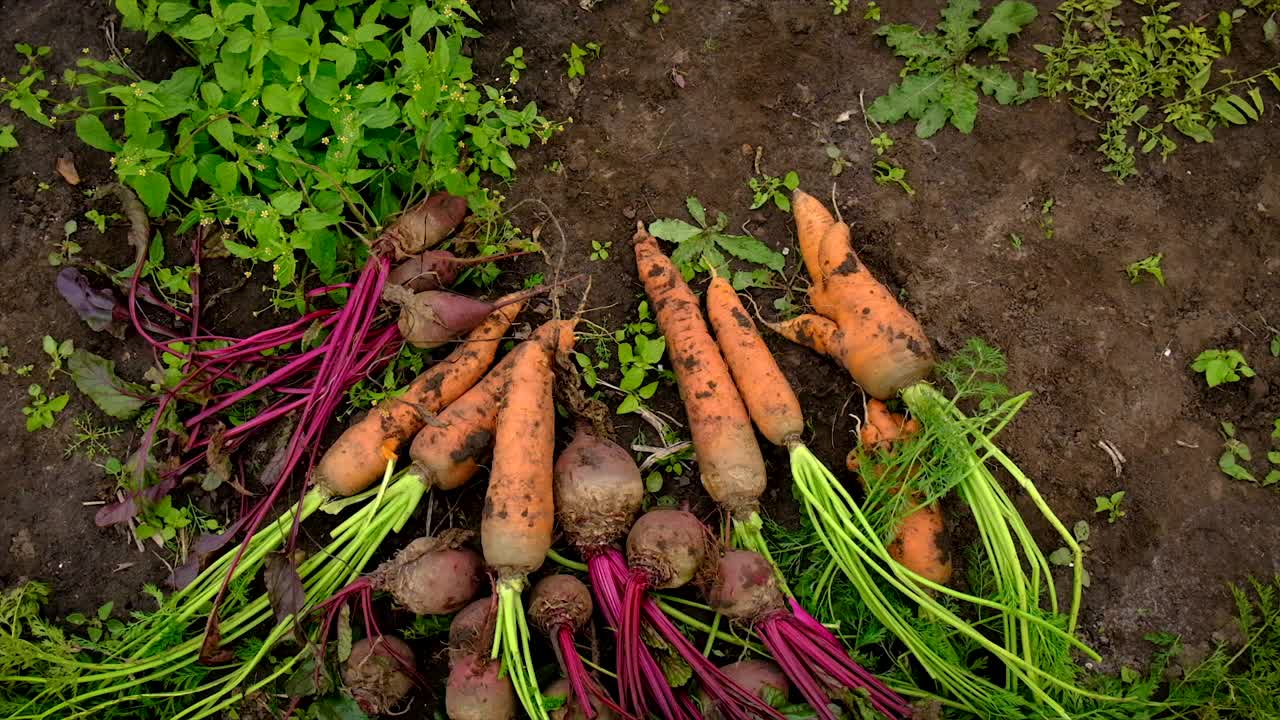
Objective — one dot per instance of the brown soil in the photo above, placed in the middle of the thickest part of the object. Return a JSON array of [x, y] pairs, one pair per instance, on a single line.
[[1107, 360]]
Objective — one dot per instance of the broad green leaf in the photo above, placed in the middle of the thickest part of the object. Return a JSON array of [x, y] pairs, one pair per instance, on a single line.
[[959, 18], [312, 219], [153, 191], [791, 180], [94, 134], [696, 211], [673, 231], [200, 27], [910, 97], [1194, 130], [170, 12], [745, 247], [994, 82], [227, 176], [962, 103], [1008, 18], [281, 100], [758, 278], [287, 201], [907, 42], [629, 404], [96, 377], [1228, 111], [221, 131], [933, 120], [632, 379], [1061, 556], [688, 255], [337, 707], [183, 174], [1200, 79]]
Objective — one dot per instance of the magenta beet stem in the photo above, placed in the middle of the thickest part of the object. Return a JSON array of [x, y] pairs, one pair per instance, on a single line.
[[582, 682], [608, 571], [812, 659]]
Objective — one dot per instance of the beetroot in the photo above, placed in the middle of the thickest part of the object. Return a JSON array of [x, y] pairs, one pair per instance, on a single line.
[[746, 589], [437, 269], [559, 605], [759, 677], [598, 490], [571, 710], [432, 318], [476, 690], [375, 673], [667, 549], [668, 546], [423, 225], [432, 576], [472, 630]]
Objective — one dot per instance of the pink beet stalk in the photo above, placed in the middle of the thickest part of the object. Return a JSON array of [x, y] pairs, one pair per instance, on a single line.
[[746, 589]]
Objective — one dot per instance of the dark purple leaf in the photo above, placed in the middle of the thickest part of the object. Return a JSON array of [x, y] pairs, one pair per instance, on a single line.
[[119, 512], [211, 650], [198, 556], [284, 586], [96, 307]]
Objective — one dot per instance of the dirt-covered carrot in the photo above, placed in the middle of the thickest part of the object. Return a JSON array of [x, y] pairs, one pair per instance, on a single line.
[[361, 453], [515, 528], [448, 451], [729, 458], [768, 396], [881, 344], [919, 541]]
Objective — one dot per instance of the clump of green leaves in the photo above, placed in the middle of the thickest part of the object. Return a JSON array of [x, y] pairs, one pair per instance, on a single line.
[[65, 251], [872, 12], [43, 410], [1222, 366], [888, 173], [166, 524], [577, 56], [701, 246], [600, 250], [58, 353], [25, 95], [515, 61], [1149, 265], [940, 81], [1233, 462], [1046, 218], [7, 140], [1141, 85], [767, 187], [659, 10], [303, 124], [1110, 504], [838, 161], [1063, 557], [637, 348], [839, 7]]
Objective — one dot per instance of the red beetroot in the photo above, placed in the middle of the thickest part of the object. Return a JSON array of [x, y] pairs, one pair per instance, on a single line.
[[432, 575], [435, 317], [666, 549], [437, 269], [423, 226], [746, 589], [558, 606], [375, 674], [598, 492], [476, 690], [571, 709], [760, 677]]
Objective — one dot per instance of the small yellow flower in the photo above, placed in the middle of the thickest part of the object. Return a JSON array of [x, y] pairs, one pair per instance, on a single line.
[[298, 79], [113, 161], [84, 50], [206, 221], [137, 91], [248, 274], [255, 102], [265, 213], [417, 87], [359, 86], [344, 139], [324, 141], [133, 84], [262, 146], [115, 116], [275, 267]]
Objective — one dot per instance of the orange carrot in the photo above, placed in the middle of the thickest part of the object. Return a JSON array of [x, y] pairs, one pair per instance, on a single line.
[[881, 345], [515, 528], [729, 458], [919, 543], [360, 455], [768, 396], [447, 452]]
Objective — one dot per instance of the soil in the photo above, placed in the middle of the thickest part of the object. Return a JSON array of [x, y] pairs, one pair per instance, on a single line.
[[682, 108]]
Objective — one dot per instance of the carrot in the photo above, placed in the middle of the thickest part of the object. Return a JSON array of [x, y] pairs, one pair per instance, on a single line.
[[516, 526], [728, 456], [919, 542], [519, 512], [881, 345], [361, 453], [768, 396], [448, 451]]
